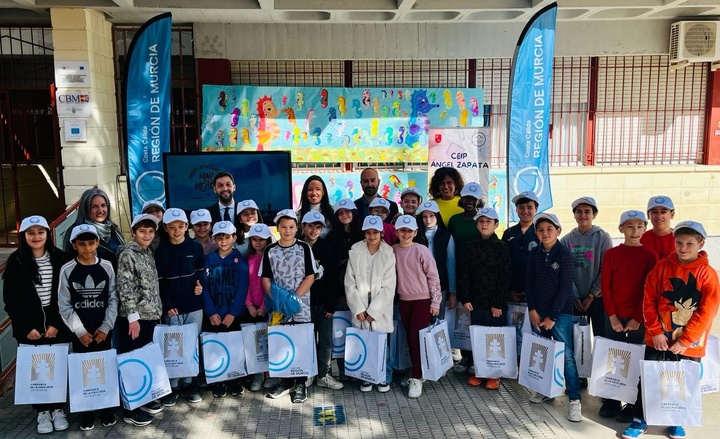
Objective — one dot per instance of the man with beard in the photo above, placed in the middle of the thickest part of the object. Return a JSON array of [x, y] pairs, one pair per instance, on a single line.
[[370, 182], [224, 209]]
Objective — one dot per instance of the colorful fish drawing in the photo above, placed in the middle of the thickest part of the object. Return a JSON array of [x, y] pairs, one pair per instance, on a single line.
[[460, 97], [234, 117], [464, 114], [388, 136], [245, 137], [341, 126], [396, 108], [328, 138], [323, 98], [432, 97], [474, 107], [356, 136], [349, 186], [284, 100], [342, 105], [299, 100], [309, 118], [400, 94], [443, 115], [220, 139], [222, 100], [366, 98], [401, 135], [376, 107], [296, 135], [395, 180], [245, 108], [374, 125], [448, 99], [385, 111], [385, 191], [332, 114], [233, 136]]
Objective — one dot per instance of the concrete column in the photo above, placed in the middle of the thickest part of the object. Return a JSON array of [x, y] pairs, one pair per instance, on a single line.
[[85, 35]]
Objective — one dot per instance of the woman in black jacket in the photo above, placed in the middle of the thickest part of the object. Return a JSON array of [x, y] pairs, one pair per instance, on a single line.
[[30, 286]]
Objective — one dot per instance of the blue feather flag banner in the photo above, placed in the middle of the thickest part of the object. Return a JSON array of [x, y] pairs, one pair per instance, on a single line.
[[147, 98], [529, 109]]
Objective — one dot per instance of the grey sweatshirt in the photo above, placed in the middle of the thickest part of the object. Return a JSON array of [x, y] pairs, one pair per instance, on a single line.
[[588, 249]]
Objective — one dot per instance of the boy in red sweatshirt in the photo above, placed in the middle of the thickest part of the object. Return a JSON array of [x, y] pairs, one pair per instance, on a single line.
[[679, 304], [624, 270]]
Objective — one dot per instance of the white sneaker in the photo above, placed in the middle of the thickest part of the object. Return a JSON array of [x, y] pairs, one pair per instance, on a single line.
[[44, 423], [330, 382], [365, 387], [457, 355], [59, 420], [257, 382], [574, 411], [537, 398], [309, 381], [383, 387], [414, 388]]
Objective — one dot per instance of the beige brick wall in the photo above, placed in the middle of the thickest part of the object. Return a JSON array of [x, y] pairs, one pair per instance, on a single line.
[[695, 190]]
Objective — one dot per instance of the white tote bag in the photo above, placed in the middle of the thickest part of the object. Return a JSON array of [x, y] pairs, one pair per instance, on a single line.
[[458, 321], [582, 343], [93, 381], [291, 350], [519, 318], [671, 392], [435, 352], [143, 376], [41, 374], [223, 356], [710, 367], [340, 322], [365, 355], [542, 365], [494, 351], [255, 343], [615, 369], [179, 344]]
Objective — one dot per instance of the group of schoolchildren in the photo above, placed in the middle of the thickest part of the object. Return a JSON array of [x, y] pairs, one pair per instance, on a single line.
[[381, 267]]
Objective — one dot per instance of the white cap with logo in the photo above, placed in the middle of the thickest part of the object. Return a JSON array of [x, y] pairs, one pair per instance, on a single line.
[[487, 212], [590, 201], [693, 225], [529, 195], [174, 214], [259, 230], [660, 201], [35, 220], [546, 216], [152, 203], [285, 213], [246, 204], [345, 203], [406, 222], [373, 222], [200, 216], [143, 217], [472, 189], [631, 215], [313, 217], [83, 228], [225, 227], [430, 206], [380, 202]]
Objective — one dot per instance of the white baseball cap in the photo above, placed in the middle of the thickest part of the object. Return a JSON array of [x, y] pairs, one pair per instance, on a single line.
[[152, 203], [584, 200], [530, 195], [694, 225], [472, 189], [547, 216], [35, 220], [142, 217], [380, 202], [83, 228], [430, 206], [200, 216], [406, 222], [631, 215], [373, 222], [226, 227], [174, 214], [410, 190], [313, 217], [285, 213], [345, 203], [246, 204], [487, 212], [660, 201], [259, 230]]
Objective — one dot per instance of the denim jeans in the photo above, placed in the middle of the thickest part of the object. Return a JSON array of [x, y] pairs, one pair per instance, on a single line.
[[323, 334], [194, 317], [563, 331]]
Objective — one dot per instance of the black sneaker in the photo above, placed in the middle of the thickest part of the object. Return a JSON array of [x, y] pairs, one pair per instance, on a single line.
[[282, 389], [609, 409], [87, 421], [170, 399], [235, 388], [137, 417], [219, 390], [627, 414], [107, 417], [190, 393], [300, 394], [152, 408], [583, 383]]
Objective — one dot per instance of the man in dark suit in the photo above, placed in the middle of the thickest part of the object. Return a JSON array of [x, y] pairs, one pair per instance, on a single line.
[[224, 188], [370, 182]]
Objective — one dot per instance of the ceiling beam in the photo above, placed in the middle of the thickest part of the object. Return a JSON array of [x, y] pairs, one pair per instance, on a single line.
[[25, 2], [125, 3]]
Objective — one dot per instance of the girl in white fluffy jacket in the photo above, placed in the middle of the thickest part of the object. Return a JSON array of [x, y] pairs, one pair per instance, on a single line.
[[370, 286]]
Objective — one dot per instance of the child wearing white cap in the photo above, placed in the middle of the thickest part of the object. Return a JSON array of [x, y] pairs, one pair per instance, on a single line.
[[370, 281], [521, 238], [259, 237], [484, 280], [680, 301], [33, 306], [588, 244], [248, 216], [157, 209], [550, 299], [224, 297], [418, 290], [410, 199], [381, 207], [88, 303], [660, 211], [201, 223], [624, 271], [462, 226]]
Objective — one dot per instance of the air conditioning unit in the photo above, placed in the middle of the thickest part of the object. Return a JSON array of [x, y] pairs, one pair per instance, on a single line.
[[695, 41]]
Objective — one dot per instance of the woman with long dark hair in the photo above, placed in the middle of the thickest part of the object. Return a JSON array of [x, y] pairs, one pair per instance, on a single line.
[[30, 286], [315, 197]]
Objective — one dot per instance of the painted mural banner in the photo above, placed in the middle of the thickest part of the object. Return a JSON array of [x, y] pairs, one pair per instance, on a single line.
[[334, 124]]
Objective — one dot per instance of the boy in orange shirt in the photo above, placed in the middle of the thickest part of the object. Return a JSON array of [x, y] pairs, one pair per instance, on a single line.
[[679, 304]]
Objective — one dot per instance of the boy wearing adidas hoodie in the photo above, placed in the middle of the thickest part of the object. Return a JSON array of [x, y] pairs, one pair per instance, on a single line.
[[588, 244]]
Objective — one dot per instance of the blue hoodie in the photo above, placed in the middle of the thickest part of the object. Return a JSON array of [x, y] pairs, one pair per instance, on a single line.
[[227, 284], [179, 266]]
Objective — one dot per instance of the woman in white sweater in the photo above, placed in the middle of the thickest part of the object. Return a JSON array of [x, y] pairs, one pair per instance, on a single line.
[[370, 286]]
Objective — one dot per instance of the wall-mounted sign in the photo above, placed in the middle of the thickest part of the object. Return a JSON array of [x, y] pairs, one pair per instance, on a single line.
[[73, 103], [72, 74], [75, 130]]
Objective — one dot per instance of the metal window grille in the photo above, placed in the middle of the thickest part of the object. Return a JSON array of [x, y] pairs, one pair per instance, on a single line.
[[647, 114], [184, 111], [26, 57]]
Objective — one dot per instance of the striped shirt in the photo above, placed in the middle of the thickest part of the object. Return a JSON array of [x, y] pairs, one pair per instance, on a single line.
[[45, 272]]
